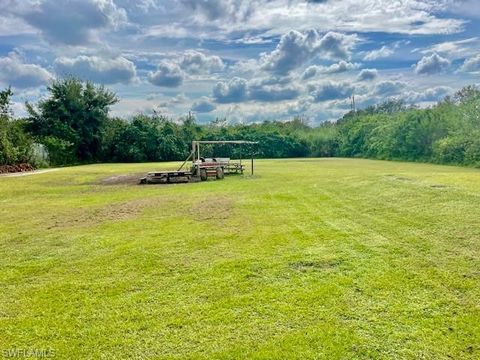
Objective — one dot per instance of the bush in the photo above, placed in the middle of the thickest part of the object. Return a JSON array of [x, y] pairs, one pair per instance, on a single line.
[[450, 150], [60, 152], [472, 152], [15, 143]]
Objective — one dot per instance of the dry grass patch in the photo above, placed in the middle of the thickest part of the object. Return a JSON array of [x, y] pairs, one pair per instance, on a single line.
[[113, 212], [316, 265], [215, 208]]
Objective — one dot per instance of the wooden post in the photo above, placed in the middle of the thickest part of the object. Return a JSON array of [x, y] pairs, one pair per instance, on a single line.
[[252, 162], [188, 158]]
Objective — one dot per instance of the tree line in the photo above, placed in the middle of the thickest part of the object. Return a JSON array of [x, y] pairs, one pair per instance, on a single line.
[[74, 126]]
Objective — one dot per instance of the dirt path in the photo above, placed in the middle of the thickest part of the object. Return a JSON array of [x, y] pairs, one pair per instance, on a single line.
[[26, 173]]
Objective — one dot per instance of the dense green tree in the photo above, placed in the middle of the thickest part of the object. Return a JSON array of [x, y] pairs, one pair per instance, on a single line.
[[71, 119], [73, 123], [15, 143]]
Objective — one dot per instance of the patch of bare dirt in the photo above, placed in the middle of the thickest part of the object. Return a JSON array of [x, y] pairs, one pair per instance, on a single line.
[[125, 210], [122, 179], [214, 209], [112, 212], [419, 183]]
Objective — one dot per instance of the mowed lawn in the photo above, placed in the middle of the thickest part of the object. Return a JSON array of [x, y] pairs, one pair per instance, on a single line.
[[308, 259]]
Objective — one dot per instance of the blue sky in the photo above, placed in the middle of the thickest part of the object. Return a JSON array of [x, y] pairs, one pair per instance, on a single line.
[[247, 60]]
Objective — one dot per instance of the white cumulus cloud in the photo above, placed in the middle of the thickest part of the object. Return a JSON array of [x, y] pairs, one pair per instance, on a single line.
[[97, 69], [196, 62], [341, 66], [296, 48], [331, 91], [232, 91], [14, 72], [72, 22], [389, 88], [431, 64], [471, 64], [383, 52], [266, 90], [429, 95], [168, 74], [367, 75], [203, 105]]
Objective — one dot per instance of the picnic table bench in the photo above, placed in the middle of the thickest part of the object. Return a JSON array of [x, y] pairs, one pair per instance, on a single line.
[[236, 168]]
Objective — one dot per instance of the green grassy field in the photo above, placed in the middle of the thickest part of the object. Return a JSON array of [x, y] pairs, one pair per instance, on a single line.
[[310, 258]]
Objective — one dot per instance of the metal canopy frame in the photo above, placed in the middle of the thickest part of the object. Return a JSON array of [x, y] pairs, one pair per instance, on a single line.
[[195, 154]]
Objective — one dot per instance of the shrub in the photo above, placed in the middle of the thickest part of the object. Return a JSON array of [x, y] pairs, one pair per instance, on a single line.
[[472, 152], [450, 150], [15, 143], [60, 151]]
